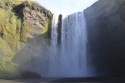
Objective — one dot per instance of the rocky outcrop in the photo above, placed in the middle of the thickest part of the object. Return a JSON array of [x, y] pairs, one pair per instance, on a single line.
[[19, 21], [36, 17], [30, 75], [106, 36], [59, 28]]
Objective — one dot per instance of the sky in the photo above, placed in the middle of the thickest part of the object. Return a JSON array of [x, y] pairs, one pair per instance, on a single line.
[[65, 7]]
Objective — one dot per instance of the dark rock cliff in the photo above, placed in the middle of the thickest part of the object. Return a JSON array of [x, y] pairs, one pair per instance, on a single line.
[[106, 37]]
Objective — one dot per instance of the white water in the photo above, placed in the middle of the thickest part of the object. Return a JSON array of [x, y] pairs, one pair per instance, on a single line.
[[69, 59]]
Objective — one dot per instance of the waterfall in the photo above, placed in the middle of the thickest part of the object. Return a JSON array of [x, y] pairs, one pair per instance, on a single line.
[[69, 58]]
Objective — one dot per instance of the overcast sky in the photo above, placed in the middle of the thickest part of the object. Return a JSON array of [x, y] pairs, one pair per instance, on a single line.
[[65, 7]]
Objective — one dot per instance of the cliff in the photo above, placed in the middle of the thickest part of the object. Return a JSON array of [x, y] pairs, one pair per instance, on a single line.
[[19, 22], [106, 37]]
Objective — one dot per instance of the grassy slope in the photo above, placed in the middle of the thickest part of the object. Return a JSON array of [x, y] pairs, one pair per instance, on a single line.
[[9, 41]]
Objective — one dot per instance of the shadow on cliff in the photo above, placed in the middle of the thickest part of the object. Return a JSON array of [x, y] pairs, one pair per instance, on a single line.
[[106, 37]]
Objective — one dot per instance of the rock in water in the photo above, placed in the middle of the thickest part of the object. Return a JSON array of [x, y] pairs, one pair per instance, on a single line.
[[30, 75]]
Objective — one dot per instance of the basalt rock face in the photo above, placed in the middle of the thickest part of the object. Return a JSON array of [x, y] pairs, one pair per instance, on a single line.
[[35, 16], [106, 37], [19, 21]]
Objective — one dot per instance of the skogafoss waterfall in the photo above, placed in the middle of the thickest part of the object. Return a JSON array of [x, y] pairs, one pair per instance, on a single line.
[[69, 58]]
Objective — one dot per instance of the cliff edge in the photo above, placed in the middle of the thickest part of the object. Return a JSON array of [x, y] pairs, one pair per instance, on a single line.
[[19, 21]]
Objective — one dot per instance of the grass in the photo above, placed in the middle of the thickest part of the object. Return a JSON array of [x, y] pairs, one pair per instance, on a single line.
[[6, 66], [9, 42]]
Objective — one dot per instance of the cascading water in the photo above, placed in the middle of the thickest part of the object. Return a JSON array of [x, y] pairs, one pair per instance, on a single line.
[[69, 59]]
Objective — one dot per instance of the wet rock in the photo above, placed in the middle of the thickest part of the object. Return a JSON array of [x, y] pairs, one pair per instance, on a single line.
[[30, 75]]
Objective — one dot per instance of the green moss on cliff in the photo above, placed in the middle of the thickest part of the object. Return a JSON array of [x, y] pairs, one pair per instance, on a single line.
[[24, 33], [4, 1], [9, 41], [6, 55], [8, 27]]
